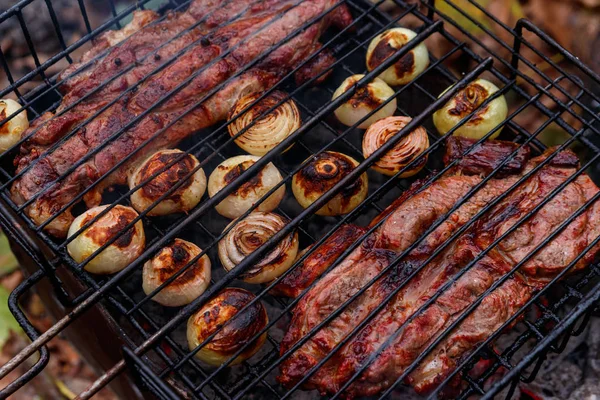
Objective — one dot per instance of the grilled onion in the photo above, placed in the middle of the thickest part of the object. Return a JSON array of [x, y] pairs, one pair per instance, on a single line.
[[267, 131], [11, 130], [249, 192], [321, 174], [183, 199], [405, 151], [465, 102], [126, 248], [408, 67], [251, 233], [365, 100], [169, 260], [237, 328]]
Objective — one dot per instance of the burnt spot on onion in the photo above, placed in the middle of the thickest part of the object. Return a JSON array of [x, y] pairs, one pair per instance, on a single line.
[[386, 47], [380, 53], [406, 65], [248, 187], [364, 96], [324, 171], [468, 100], [102, 234], [242, 325], [173, 259], [3, 123], [169, 178]]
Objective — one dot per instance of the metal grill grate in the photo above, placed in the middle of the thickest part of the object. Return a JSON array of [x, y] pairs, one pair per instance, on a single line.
[[157, 349]]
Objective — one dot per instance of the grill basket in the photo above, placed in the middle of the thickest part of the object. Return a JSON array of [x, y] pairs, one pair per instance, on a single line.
[[150, 339]]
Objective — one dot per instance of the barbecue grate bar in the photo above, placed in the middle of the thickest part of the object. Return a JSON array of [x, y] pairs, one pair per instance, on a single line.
[[159, 335]]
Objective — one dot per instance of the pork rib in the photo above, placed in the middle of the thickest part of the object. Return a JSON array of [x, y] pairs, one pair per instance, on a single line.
[[208, 64]]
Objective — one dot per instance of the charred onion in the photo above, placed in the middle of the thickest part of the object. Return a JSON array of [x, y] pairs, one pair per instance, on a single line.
[[321, 174], [183, 199], [237, 328], [365, 100], [405, 151], [408, 67], [11, 130], [249, 192], [188, 285], [264, 132], [251, 233], [126, 248], [465, 102]]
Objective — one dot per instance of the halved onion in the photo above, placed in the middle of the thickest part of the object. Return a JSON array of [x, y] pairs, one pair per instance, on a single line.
[[267, 131], [321, 174], [405, 151], [128, 246], [240, 201], [365, 100], [183, 199], [11, 130], [384, 45], [169, 260], [465, 102], [251, 233], [238, 327]]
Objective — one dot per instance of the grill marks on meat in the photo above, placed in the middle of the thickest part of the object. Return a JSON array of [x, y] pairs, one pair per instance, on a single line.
[[403, 335], [243, 31], [302, 276], [487, 318], [360, 267]]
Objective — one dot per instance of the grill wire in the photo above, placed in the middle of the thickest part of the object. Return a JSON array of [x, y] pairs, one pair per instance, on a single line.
[[156, 335]]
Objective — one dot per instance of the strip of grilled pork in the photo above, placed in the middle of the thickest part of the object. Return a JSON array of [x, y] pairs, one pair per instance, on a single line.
[[234, 34], [409, 219]]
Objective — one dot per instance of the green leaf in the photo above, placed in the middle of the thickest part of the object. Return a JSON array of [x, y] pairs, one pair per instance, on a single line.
[[8, 262], [455, 9], [7, 321]]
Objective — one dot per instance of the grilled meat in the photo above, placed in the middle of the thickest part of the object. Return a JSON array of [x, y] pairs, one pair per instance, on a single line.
[[228, 38], [317, 262], [393, 339]]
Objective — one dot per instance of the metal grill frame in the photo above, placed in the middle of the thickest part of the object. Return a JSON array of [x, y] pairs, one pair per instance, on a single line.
[[124, 304]]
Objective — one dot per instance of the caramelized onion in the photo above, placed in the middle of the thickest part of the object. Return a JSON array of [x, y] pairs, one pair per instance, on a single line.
[[321, 174], [268, 130], [188, 285], [365, 100], [240, 201], [183, 199], [251, 233], [408, 67], [11, 130], [237, 327], [126, 248], [405, 151], [465, 102]]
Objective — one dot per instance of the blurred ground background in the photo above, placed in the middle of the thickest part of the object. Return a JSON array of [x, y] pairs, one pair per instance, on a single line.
[[575, 24]]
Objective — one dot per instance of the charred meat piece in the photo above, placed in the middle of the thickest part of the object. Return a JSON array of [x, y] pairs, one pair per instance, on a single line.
[[397, 335], [484, 158], [243, 31]]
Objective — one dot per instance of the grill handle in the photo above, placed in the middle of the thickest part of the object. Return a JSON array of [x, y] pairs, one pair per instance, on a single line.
[[145, 378], [30, 331], [15, 231]]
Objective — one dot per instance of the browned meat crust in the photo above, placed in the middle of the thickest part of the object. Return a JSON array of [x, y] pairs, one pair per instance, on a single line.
[[260, 25], [303, 275], [484, 159], [409, 220]]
